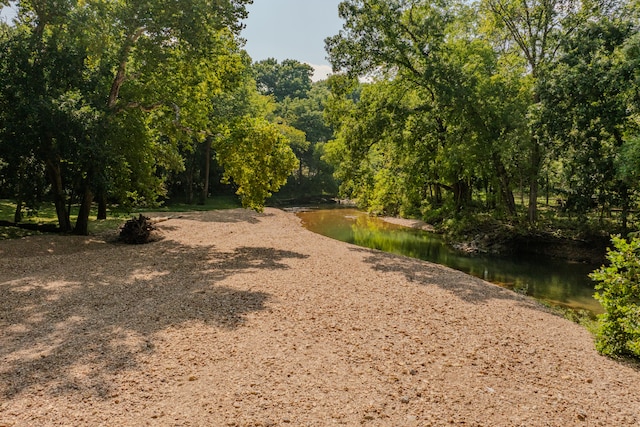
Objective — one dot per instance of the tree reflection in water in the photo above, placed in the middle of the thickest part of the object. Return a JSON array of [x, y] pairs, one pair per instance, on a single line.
[[554, 281]]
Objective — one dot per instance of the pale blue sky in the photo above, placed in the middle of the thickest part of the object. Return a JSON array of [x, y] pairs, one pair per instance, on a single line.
[[8, 12], [287, 29], [292, 29]]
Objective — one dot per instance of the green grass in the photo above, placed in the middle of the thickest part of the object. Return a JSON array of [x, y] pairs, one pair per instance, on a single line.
[[45, 215], [7, 210], [115, 216], [215, 203]]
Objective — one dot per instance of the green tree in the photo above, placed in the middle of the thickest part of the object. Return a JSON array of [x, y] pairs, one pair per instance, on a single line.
[[111, 75], [447, 111], [42, 111], [618, 290], [21, 174], [258, 158], [535, 30], [240, 120], [627, 164], [290, 78], [307, 115], [585, 108]]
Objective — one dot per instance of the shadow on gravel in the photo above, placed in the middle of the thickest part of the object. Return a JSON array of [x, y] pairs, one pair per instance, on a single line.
[[220, 216], [67, 322], [461, 285]]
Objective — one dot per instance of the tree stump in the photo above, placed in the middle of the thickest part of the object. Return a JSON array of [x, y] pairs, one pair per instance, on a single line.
[[137, 231]]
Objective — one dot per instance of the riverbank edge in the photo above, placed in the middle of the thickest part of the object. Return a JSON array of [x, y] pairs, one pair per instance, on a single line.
[[502, 239]]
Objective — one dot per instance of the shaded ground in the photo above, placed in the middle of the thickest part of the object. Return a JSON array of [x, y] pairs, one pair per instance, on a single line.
[[243, 319]]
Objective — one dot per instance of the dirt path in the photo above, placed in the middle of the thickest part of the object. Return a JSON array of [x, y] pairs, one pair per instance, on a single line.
[[245, 319]]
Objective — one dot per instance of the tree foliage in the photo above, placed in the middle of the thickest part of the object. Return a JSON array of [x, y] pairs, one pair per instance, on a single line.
[[258, 158], [108, 96], [618, 290], [470, 102], [289, 79], [585, 107], [448, 103], [299, 110]]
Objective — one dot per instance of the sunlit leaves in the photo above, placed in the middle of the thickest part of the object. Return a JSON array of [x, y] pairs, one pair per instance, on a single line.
[[109, 89], [289, 79], [257, 158], [618, 290]]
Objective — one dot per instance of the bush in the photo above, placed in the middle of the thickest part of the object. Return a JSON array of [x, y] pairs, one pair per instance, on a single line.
[[618, 290]]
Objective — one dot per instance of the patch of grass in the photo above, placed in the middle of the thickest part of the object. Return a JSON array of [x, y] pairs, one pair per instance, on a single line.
[[7, 209], [46, 214], [115, 217], [212, 204], [105, 225]]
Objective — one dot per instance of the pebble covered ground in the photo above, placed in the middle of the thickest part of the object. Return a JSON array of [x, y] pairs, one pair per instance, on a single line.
[[237, 318]]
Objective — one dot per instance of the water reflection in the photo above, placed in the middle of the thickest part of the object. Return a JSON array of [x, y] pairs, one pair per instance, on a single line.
[[555, 281]]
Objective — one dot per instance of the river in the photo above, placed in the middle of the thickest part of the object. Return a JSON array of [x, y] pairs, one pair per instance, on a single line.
[[556, 282]]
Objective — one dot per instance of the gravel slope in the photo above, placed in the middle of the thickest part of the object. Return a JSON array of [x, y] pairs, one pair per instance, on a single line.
[[244, 319]]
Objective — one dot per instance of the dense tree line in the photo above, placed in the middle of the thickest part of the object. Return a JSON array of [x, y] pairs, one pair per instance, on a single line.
[[438, 109], [118, 101], [300, 106], [472, 104]]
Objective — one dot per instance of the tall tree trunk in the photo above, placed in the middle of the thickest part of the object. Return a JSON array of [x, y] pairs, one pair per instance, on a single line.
[[102, 206], [17, 216], [546, 188], [189, 173], [82, 223], [534, 173], [299, 173], [505, 186], [54, 173], [207, 169], [121, 73], [461, 194]]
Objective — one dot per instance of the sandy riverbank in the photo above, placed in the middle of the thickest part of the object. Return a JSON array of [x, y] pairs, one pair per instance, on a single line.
[[244, 319]]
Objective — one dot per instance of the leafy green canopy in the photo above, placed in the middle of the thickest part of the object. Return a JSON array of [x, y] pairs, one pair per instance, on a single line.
[[258, 158], [442, 110], [618, 290], [289, 79], [103, 94], [469, 102], [299, 106]]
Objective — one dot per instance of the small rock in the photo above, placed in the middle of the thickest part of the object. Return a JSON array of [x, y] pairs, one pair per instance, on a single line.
[[404, 399]]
